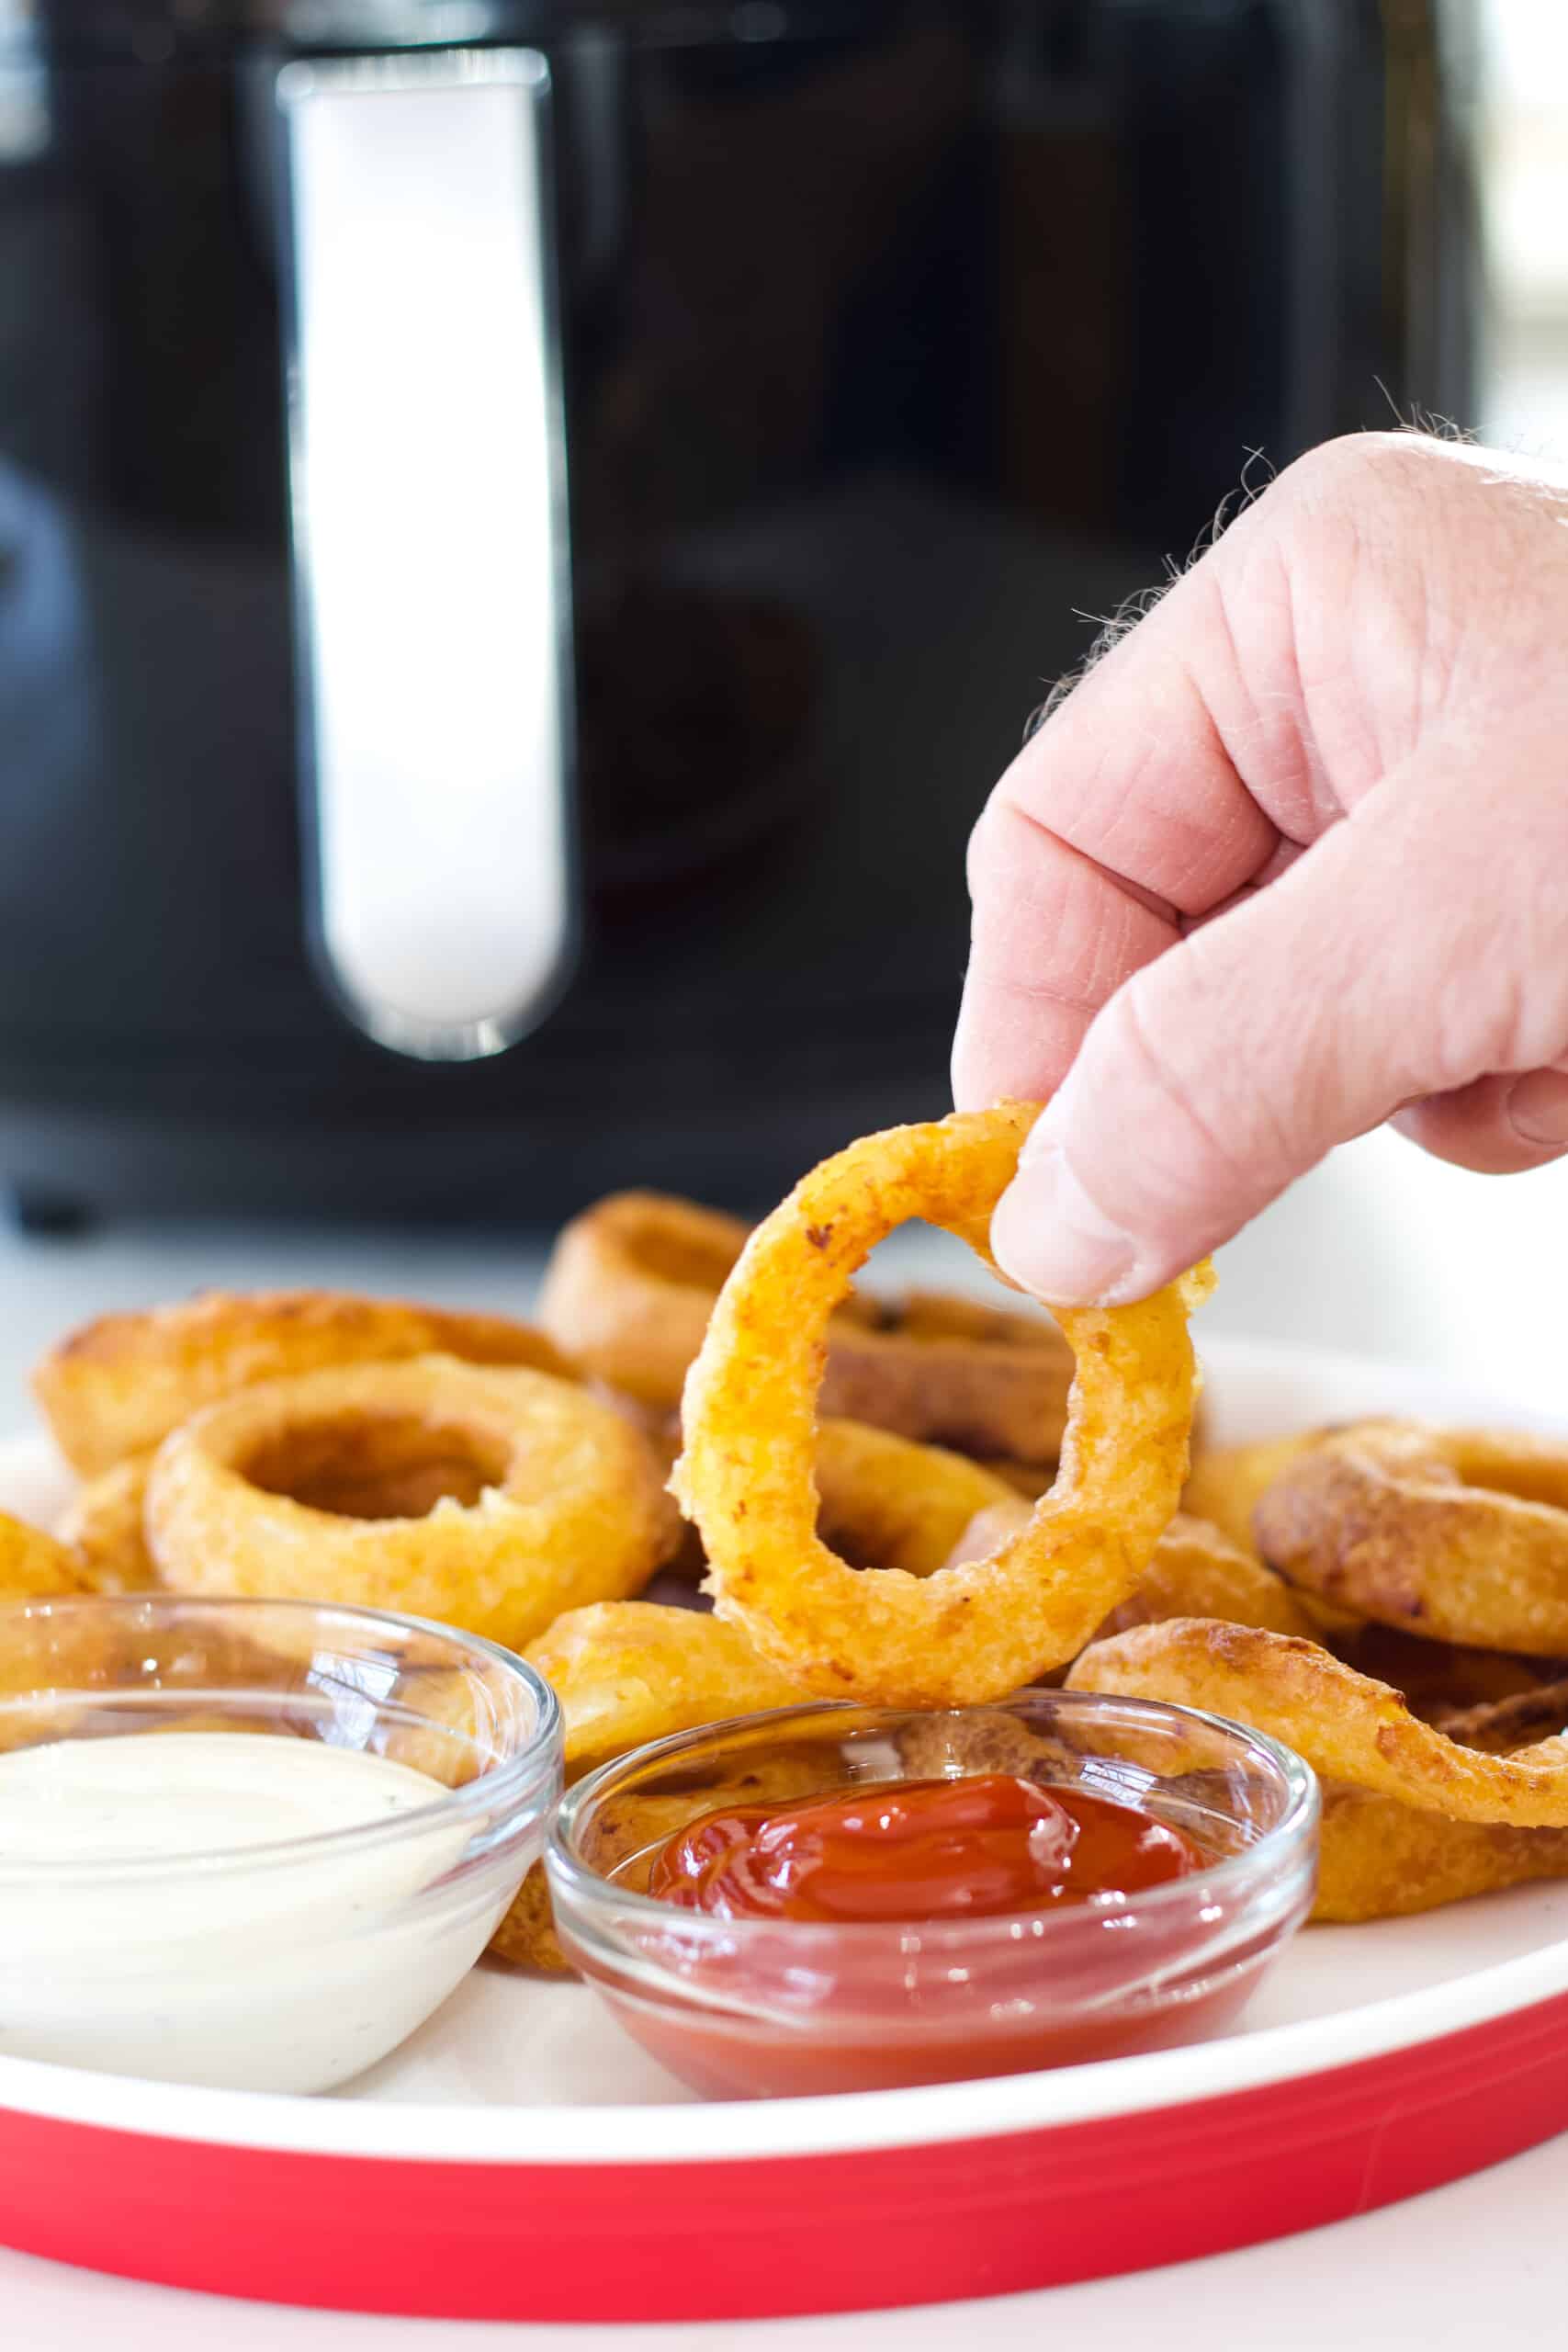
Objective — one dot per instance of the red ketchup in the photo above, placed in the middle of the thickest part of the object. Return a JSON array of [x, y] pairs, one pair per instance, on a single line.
[[918, 1850], [844, 1972]]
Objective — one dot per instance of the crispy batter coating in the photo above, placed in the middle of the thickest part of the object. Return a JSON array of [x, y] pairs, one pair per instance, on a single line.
[[1349, 1727], [119, 1385], [104, 1529], [632, 1282], [305, 1488], [33, 1567], [1227, 1483], [526, 1936], [887, 1502], [1461, 1535], [1194, 1573], [626, 1671], [1381, 1860], [965, 1634]]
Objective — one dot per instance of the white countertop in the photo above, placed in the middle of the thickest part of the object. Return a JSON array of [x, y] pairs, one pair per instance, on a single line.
[[1382, 1253]]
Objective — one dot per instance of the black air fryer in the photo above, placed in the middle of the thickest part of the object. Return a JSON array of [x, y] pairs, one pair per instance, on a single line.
[[527, 532]]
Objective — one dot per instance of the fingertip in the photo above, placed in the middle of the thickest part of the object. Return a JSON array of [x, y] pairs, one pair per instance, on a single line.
[[1049, 1238]]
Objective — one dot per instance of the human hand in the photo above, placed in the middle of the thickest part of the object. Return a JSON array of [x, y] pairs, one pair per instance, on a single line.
[[1292, 859]]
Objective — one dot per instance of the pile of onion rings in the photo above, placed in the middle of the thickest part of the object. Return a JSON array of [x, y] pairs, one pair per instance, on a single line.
[[1390, 1600]]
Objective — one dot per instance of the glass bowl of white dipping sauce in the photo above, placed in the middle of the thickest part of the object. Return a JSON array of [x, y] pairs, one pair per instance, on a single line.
[[253, 1843]]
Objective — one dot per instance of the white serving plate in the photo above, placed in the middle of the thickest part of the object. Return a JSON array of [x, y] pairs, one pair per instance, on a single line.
[[475, 2171]]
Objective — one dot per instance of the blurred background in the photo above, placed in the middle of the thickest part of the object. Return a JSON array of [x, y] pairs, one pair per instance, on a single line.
[[527, 531]]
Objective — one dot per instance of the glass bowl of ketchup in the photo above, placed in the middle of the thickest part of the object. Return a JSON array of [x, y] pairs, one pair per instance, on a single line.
[[833, 1897]]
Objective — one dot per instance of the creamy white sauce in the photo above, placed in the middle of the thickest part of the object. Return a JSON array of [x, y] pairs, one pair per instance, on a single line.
[[154, 1921]]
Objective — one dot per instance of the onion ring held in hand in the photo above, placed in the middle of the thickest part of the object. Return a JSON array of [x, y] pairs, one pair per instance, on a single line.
[[965, 1634], [119, 1385], [1459, 1535], [492, 1497], [631, 1285]]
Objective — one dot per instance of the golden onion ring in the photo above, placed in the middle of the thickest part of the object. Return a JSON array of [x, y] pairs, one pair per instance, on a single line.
[[889, 1502], [629, 1671], [33, 1567], [1349, 1727], [631, 1285], [548, 1498], [104, 1529], [1194, 1573], [965, 1634], [1227, 1483], [1459, 1535], [119, 1385], [1379, 1859]]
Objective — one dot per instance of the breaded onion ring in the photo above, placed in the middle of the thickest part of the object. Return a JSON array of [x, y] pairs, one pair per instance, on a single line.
[[1461, 1535], [1349, 1727], [1227, 1482], [531, 1496], [1194, 1573], [1381, 1860], [104, 1529], [629, 1671], [33, 1567], [632, 1282], [526, 1936], [887, 1502], [119, 1385], [965, 1634], [1377, 1860]]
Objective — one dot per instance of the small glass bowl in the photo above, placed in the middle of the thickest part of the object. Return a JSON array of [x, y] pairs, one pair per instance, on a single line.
[[760, 2008], [293, 1965]]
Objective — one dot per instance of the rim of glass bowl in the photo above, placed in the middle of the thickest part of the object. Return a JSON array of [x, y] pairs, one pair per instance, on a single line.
[[536, 1763], [1290, 1836]]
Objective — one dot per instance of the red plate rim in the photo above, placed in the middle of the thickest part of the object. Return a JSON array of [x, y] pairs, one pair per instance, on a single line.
[[659, 2136], [942, 2219]]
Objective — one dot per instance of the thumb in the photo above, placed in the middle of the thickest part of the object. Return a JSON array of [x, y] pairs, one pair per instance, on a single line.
[[1407, 954]]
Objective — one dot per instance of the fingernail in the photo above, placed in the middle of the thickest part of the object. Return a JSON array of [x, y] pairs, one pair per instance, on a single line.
[[1536, 1107], [1049, 1236]]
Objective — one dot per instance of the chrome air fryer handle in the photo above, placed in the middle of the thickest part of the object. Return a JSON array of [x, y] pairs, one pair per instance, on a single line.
[[432, 589]]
